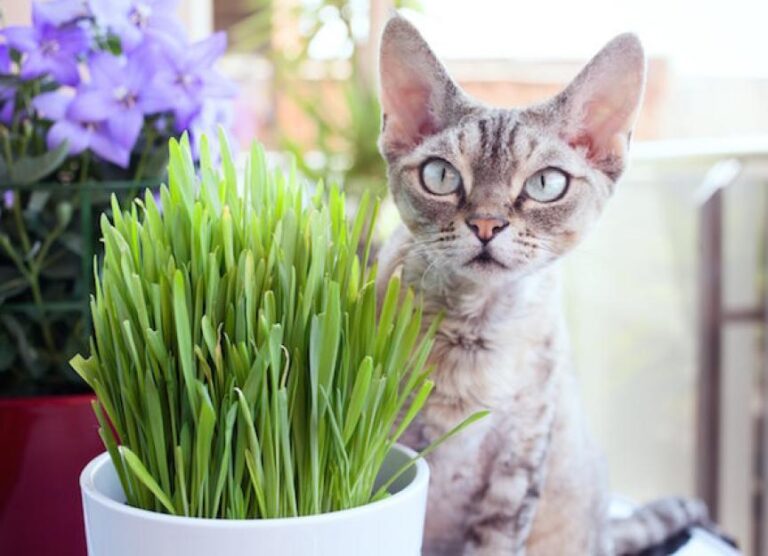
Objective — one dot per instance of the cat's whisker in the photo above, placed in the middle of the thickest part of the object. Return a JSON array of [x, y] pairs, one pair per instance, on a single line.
[[537, 245], [424, 275]]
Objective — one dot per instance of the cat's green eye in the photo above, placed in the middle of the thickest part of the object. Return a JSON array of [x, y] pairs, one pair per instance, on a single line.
[[439, 177], [546, 185]]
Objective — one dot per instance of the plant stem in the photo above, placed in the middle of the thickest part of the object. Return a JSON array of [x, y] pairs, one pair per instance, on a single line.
[[7, 153], [31, 275], [37, 296], [24, 143], [85, 164], [37, 264], [150, 139], [32, 271], [19, 219], [14, 256], [29, 271]]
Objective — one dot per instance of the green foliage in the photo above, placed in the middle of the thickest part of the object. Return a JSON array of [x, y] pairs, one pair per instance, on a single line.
[[237, 349], [48, 220], [48, 238], [30, 169], [348, 143], [346, 139]]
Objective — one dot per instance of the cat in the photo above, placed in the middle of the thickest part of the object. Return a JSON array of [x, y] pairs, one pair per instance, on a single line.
[[491, 199]]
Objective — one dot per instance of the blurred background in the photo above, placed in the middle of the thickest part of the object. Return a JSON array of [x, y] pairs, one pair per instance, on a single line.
[[667, 299]]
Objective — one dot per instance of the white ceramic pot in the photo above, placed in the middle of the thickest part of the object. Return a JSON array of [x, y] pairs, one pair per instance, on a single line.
[[390, 527]]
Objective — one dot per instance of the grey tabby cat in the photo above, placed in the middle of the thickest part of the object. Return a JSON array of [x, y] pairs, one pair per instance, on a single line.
[[491, 199]]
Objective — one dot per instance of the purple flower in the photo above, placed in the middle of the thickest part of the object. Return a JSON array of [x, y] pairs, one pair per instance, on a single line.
[[120, 93], [7, 104], [214, 114], [189, 77], [131, 20], [5, 59], [7, 92], [60, 12], [81, 131], [48, 49], [8, 198]]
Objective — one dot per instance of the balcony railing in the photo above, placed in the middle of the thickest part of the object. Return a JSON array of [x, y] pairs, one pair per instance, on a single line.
[[721, 162]]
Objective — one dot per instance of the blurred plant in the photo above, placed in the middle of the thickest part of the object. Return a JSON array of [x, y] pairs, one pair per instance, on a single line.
[[238, 351], [345, 139], [91, 91]]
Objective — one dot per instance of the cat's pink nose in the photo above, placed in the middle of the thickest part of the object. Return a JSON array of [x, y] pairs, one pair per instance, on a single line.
[[486, 228]]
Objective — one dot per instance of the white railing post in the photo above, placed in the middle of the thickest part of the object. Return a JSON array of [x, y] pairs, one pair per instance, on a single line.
[[16, 12], [197, 16]]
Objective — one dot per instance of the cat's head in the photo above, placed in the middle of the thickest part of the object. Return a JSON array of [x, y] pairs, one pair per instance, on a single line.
[[490, 192]]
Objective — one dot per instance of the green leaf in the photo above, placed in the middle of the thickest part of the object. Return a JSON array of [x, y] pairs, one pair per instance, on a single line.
[[33, 169], [418, 402], [431, 448], [203, 446], [7, 353], [37, 201], [359, 397], [141, 473], [184, 337], [28, 353], [63, 214]]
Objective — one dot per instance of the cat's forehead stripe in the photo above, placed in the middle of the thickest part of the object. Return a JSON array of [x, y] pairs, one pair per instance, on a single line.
[[498, 141], [491, 150]]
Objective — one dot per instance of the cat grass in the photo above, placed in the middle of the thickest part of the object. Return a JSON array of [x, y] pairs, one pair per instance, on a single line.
[[240, 364]]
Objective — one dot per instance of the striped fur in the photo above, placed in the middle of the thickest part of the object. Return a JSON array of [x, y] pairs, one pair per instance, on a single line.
[[528, 479], [654, 523]]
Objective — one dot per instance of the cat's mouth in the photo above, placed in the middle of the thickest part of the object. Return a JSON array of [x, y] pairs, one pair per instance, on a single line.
[[485, 259]]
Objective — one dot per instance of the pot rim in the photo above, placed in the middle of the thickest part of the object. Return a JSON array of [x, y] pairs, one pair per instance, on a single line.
[[88, 488]]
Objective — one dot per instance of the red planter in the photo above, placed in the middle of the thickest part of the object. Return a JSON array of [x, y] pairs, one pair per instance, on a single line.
[[44, 444]]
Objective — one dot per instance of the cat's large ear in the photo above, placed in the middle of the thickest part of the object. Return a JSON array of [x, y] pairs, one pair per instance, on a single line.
[[418, 98], [601, 104]]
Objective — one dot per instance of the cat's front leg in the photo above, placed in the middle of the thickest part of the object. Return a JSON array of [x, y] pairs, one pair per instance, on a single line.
[[503, 515]]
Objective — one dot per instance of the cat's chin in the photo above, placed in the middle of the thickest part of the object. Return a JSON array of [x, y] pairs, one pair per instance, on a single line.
[[485, 261]]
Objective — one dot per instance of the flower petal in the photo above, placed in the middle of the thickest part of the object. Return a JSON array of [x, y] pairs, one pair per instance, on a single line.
[[154, 100], [7, 110], [130, 35], [34, 65], [163, 5], [5, 59], [163, 25], [216, 85], [72, 40], [204, 53], [64, 69], [185, 113], [78, 137], [139, 70], [106, 70], [21, 38], [92, 105], [53, 105], [125, 125], [107, 12], [59, 12], [108, 149]]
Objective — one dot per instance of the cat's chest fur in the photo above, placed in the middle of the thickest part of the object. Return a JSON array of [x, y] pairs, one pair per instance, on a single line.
[[498, 351]]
